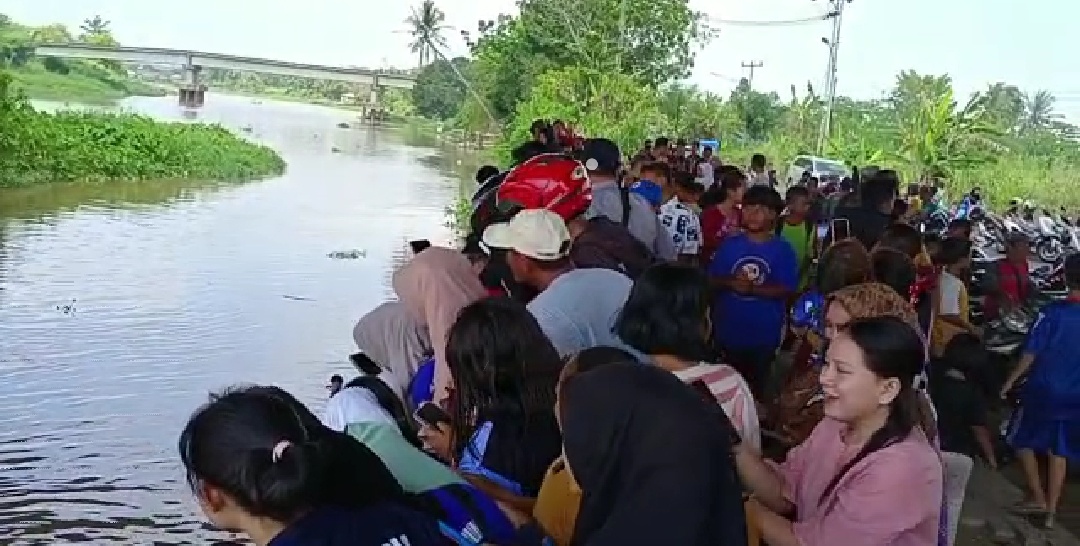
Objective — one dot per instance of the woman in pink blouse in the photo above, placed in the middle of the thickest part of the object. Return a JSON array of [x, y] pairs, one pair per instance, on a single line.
[[866, 475]]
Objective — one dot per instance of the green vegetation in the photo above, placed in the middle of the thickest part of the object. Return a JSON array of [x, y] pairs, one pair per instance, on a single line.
[[38, 147], [612, 68], [64, 79]]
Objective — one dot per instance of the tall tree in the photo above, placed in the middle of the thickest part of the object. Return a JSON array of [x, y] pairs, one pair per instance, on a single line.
[[95, 26], [1039, 112], [427, 27]]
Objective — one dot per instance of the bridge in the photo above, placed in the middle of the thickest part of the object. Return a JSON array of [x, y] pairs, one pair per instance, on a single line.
[[193, 92]]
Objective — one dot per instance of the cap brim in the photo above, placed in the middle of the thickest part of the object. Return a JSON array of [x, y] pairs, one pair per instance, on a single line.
[[499, 236]]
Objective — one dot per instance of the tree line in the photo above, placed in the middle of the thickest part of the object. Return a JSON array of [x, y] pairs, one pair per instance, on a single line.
[[615, 68]]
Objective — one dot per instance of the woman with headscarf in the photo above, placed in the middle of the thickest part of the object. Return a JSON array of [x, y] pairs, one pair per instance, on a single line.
[[392, 338], [434, 286], [798, 408], [652, 469]]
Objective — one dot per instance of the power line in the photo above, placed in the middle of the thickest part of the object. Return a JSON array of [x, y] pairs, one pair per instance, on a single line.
[[775, 23]]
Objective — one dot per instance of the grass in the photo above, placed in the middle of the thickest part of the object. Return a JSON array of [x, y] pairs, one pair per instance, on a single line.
[[88, 86]]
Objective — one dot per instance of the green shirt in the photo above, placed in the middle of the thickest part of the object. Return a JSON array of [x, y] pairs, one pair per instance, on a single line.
[[802, 241]]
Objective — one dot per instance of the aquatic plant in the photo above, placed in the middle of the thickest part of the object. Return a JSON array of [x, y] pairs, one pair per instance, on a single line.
[[67, 146]]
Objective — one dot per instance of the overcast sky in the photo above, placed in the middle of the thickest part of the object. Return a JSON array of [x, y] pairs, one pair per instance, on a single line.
[[975, 41]]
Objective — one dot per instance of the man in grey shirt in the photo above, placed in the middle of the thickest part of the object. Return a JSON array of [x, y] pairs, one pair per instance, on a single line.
[[576, 308], [601, 158]]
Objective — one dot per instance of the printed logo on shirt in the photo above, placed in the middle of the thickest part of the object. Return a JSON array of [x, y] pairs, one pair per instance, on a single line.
[[399, 541], [752, 267]]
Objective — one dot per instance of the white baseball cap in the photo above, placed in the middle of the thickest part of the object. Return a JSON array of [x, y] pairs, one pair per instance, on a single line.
[[537, 233]]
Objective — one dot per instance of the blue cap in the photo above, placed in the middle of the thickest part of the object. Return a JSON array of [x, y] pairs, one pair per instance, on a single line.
[[649, 190]]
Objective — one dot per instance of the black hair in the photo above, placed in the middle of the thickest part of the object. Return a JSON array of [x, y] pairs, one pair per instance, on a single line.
[[757, 160], [796, 192], [960, 223], [660, 168], [844, 263], [879, 189], [661, 142], [894, 269], [337, 379], [599, 356], [665, 313], [965, 353], [729, 180], [275, 459], [1072, 271], [485, 172], [706, 148], [903, 237], [504, 368], [527, 151], [953, 250], [891, 348], [763, 196], [686, 181], [391, 402]]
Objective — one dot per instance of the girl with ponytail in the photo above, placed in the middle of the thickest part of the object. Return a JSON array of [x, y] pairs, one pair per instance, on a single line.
[[867, 474]]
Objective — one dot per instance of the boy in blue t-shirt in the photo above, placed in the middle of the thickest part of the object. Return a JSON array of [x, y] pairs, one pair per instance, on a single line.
[[755, 273]]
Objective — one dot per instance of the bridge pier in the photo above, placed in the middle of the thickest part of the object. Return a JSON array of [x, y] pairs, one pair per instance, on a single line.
[[373, 111], [192, 93]]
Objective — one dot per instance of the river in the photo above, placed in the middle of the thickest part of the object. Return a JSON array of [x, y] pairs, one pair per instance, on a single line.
[[122, 305]]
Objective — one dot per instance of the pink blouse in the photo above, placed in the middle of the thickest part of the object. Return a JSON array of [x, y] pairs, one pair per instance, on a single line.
[[890, 498]]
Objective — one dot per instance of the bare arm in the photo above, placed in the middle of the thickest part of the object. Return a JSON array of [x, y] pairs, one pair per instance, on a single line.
[[763, 481]]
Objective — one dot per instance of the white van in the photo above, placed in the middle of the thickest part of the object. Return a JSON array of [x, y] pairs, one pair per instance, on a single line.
[[818, 166]]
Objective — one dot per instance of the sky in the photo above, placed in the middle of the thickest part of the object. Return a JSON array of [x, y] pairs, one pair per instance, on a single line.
[[977, 42]]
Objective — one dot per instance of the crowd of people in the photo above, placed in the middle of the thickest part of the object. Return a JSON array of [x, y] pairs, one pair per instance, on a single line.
[[663, 350]]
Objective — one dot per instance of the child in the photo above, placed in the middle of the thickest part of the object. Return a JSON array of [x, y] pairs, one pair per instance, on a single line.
[[681, 223], [1048, 420], [962, 402], [953, 312], [796, 227], [720, 210], [756, 272], [261, 464]]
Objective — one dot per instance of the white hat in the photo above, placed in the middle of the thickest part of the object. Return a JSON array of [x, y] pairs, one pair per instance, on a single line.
[[537, 233]]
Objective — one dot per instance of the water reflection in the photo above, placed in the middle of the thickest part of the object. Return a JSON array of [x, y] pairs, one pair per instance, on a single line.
[[183, 288]]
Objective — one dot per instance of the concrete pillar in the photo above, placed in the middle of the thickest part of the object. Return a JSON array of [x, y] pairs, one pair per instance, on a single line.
[[192, 91]]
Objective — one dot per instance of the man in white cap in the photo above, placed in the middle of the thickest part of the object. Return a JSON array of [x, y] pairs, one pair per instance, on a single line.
[[576, 308]]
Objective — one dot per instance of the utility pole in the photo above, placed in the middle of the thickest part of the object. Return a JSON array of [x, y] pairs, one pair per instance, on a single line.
[[836, 9], [752, 65]]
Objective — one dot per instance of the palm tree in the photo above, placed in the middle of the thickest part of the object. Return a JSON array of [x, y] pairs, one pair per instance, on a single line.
[[427, 25], [95, 26], [1039, 111]]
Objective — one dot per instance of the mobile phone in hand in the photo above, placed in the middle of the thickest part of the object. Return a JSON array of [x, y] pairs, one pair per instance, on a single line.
[[841, 229], [429, 413], [419, 245]]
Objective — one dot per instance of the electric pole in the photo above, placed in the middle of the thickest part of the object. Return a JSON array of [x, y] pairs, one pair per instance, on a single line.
[[752, 65], [836, 9]]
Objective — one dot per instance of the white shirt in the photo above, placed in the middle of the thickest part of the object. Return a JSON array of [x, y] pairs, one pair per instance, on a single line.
[[354, 405], [950, 287], [682, 225], [759, 179], [705, 172]]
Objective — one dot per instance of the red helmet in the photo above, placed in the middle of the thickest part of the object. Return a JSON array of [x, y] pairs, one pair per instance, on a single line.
[[547, 181]]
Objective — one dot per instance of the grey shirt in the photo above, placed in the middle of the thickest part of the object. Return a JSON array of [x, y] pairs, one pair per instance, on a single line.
[[644, 224], [578, 310]]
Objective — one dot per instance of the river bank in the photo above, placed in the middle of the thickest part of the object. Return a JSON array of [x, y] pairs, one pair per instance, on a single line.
[[183, 287], [89, 146], [83, 83]]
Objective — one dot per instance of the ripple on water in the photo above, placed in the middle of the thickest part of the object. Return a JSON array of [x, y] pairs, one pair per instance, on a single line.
[[176, 290]]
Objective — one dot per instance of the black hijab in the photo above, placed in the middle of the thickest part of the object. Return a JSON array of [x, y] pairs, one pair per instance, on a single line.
[[652, 460]]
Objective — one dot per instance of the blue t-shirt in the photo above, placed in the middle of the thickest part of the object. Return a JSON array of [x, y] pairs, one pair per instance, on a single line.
[[1053, 388], [380, 525], [751, 322]]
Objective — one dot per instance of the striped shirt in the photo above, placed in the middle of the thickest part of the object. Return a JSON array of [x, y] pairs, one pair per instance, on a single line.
[[731, 390]]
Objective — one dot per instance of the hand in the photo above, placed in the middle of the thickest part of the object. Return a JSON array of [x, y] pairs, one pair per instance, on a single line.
[[517, 517], [437, 439], [742, 285]]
